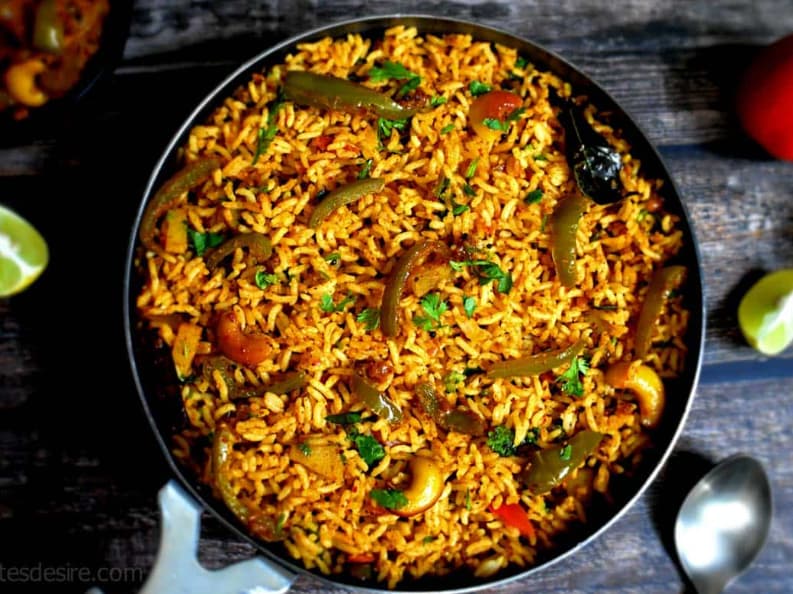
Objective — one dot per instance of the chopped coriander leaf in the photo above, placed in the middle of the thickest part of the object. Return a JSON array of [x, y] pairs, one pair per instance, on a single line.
[[515, 114], [478, 88], [411, 85], [458, 209], [496, 124], [434, 306], [447, 128], [326, 303], [366, 169], [436, 101], [424, 323], [279, 525], [369, 448], [304, 448], [389, 498], [452, 379], [468, 190], [333, 258], [570, 380], [532, 435], [471, 171], [264, 279], [469, 305], [442, 187], [390, 70], [349, 418], [203, 241], [566, 452], [501, 441], [384, 127], [268, 132], [487, 271], [458, 266], [468, 499], [370, 318], [429, 539], [540, 157], [533, 197], [521, 62]]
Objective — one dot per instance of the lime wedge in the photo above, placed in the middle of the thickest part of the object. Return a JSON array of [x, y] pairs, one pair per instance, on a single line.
[[23, 253], [766, 313]]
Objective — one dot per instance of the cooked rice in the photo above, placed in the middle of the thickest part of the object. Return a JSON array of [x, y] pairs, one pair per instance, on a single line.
[[619, 247]]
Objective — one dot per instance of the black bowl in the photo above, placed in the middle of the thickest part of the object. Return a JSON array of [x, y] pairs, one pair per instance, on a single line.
[[45, 121]]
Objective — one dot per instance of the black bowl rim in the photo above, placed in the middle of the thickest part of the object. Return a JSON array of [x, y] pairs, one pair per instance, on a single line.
[[546, 59]]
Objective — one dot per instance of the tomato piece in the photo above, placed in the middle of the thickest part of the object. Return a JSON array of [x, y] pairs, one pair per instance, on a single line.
[[513, 514], [764, 97], [494, 106]]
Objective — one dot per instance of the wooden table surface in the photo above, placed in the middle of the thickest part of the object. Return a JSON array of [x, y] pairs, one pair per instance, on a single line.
[[79, 469]]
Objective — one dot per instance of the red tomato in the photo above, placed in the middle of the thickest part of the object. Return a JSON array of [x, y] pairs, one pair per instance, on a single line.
[[765, 99], [513, 514], [495, 106]]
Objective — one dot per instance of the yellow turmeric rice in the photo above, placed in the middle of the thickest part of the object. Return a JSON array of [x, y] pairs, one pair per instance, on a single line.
[[395, 457]]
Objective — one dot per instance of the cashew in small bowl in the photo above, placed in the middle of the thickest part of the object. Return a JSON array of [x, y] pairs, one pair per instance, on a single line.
[[646, 386], [21, 82], [426, 485]]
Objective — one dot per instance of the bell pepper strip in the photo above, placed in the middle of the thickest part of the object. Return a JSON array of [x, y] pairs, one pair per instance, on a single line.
[[184, 348], [564, 227], [344, 195], [374, 400], [513, 514], [330, 92], [404, 267], [293, 380], [241, 347], [222, 446], [461, 421], [322, 459], [548, 468], [535, 364], [48, 28], [258, 246], [664, 281], [189, 177]]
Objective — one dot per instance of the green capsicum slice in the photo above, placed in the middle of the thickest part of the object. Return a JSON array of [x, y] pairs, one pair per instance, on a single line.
[[535, 364], [455, 419], [189, 177], [258, 246], [564, 227], [330, 92], [342, 196], [664, 281], [374, 400], [548, 468], [404, 267]]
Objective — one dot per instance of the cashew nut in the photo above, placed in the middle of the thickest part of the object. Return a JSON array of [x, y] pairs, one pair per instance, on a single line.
[[646, 386], [246, 349], [21, 82], [425, 487]]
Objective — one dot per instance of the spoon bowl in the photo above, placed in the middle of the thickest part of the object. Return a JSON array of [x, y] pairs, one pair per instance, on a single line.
[[723, 523]]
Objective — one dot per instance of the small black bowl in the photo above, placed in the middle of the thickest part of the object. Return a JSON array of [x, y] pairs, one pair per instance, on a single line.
[[45, 121]]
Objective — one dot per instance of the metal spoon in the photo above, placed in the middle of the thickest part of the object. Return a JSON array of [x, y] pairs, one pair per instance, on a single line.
[[723, 523]]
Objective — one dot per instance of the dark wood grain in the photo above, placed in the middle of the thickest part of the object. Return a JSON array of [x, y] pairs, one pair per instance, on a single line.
[[79, 468]]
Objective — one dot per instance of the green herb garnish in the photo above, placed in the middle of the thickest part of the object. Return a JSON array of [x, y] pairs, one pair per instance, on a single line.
[[264, 279], [428, 539], [501, 441], [268, 132], [498, 125], [366, 169], [370, 318], [469, 305], [451, 380], [469, 191], [436, 101], [384, 127], [390, 70], [566, 452], [333, 258], [305, 448], [487, 271], [434, 307], [447, 128], [478, 88], [442, 187], [349, 418], [570, 380], [521, 62], [471, 171], [368, 447], [203, 241], [326, 303], [389, 498], [533, 197], [458, 209]]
